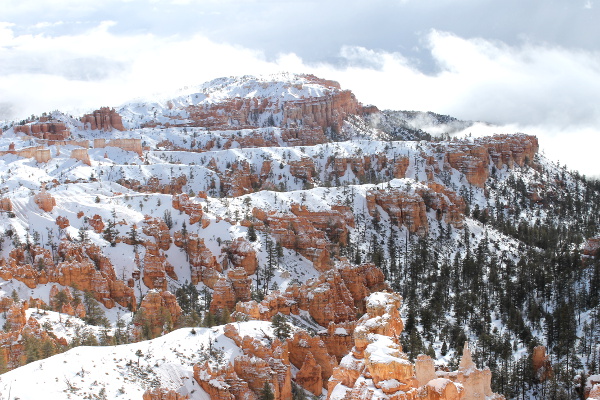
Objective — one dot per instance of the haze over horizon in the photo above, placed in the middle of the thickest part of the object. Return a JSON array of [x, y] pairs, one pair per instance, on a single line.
[[527, 67]]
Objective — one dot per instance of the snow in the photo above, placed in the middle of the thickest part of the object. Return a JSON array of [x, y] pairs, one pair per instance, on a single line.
[[166, 361], [439, 384]]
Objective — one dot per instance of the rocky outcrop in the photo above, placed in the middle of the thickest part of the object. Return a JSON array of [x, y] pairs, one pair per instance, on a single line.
[[377, 362], [40, 154], [6, 204], [203, 264], [275, 302], [361, 280], [299, 234], [240, 253], [303, 347], [162, 394], [305, 136], [448, 205], [476, 383], [377, 353], [333, 223], [69, 306], [309, 376], [241, 284], [83, 267], [96, 223], [542, 367], [245, 378], [156, 268], [44, 201], [105, 119], [81, 155], [424, 369], [236, 287], [338, 338], [182, 203], [134, 145], [13, 342], [403, 208], [45, 129], [335, 297], [329, 300], [591, 391], [158, 229], [158, 313], [474, 158], [62, 222], [15, 317], [327, 111], [223, 298]]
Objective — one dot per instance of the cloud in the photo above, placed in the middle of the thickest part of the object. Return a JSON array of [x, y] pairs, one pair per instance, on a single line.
[[542, 89]]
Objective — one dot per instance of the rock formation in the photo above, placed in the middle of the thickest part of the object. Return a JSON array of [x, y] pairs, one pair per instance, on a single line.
[[105, 119], [162, 394], [309, 376], [134, 145], [240, 253], [96, 223], [377, 363], [49, 130], [81, 155], [245, 378], [473, 159], [303, 347], [84, 267], [402, 207], [297, 233], [6, 204], [542, 367], [44, 201], [158, 313]]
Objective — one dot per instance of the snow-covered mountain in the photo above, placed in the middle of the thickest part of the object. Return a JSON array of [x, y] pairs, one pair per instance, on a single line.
[[284, 199]]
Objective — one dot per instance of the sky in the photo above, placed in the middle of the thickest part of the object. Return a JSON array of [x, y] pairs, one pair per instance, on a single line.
[[528, 66]]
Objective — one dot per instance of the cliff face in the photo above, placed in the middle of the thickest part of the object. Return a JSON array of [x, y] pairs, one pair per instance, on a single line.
[[328, 111], [473, 159]]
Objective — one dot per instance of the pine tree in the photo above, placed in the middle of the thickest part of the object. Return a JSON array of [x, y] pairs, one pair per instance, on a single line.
[[93, 311], [110, 233], [281, 329], [266, 392], [252, 233]]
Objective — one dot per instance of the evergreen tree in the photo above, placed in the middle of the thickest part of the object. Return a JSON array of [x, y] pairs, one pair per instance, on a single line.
[[281, 329], [266, 392], [252, 233]]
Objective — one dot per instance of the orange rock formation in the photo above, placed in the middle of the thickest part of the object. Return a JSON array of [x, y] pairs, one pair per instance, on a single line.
[[105, 119], [246, 377], [44, 201]]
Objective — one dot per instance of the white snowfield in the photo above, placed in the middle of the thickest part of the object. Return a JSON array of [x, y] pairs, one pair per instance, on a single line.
[[127, 371]]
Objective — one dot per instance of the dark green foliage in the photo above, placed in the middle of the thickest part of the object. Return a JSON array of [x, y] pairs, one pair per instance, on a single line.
[[94, 314], [281, 329], [266, 392], [252, 233]]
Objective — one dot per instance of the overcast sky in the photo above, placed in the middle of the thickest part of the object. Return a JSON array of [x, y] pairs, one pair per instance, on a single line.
[[528, 65]]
